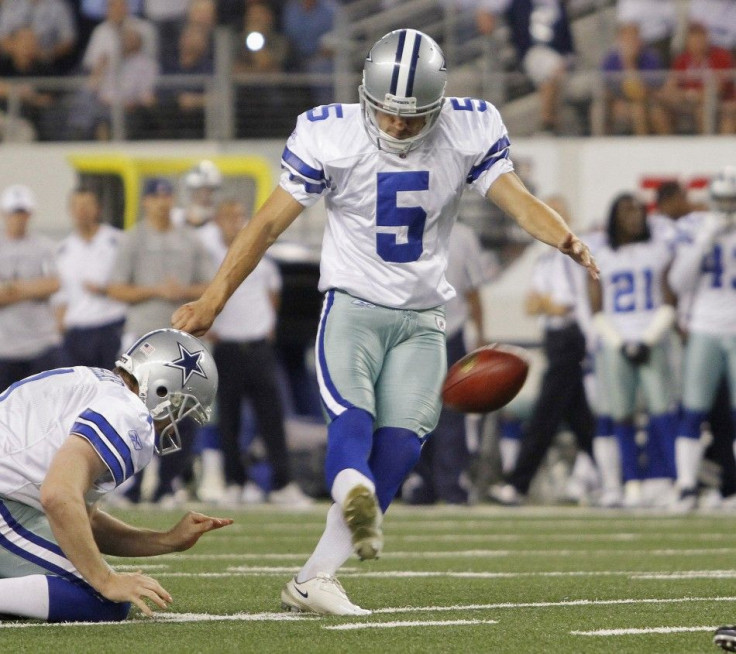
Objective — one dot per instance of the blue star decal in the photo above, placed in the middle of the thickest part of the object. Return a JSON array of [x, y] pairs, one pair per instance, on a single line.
[[188, 363]]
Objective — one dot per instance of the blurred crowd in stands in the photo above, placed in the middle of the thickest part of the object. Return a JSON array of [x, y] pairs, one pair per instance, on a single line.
[[667, 68]]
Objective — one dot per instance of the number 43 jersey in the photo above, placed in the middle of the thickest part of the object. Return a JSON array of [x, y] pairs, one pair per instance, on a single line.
[[389, 216]]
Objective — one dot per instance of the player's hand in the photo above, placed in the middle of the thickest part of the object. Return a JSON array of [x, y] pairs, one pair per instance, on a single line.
[[636, 353], [191, 527], [136, 588], [574, 248], [193, 317]]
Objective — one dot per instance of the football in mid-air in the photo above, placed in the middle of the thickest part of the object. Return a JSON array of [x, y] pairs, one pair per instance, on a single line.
[[485, 379]]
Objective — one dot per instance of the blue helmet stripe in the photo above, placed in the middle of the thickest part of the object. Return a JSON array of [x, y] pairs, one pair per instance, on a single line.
[[413, 65], [397, 62]]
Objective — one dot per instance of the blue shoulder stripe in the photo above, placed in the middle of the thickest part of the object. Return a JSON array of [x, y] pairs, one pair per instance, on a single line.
[[291, 160], [108, 443], [499, 150]]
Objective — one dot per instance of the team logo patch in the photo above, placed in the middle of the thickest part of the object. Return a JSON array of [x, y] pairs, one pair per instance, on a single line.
[[135, 439], [189, 364], [363, 303], [441, 324]]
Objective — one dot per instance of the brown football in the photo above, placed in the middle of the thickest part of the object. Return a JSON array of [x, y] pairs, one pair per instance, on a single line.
[[485, 379]]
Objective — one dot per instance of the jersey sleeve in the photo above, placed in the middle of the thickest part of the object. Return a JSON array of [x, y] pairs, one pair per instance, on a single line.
[[486, 133], [121, 434], [302, 172]]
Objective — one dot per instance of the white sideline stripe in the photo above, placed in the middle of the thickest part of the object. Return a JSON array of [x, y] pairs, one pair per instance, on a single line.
[[645, 630], [544, 605], [413, 574], [405, 623], [687, 574], [171, 617], [455, 554]]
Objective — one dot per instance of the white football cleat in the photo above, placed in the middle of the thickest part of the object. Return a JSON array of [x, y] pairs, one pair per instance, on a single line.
[[363, 517], [322, 594]]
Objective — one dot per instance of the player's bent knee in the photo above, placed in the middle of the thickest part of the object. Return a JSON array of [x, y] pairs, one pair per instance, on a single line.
[[71, 601]]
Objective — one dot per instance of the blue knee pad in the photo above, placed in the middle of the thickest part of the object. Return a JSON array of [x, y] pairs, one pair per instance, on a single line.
[[690, 423], [206, 438], [349, 442], [71, 601], [395, 452]]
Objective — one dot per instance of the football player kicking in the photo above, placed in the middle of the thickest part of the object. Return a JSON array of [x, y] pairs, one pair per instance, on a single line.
[[67, 437], [392, 170]]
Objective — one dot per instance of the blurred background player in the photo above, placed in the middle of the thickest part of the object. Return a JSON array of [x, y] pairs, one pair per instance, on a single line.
[[554, 297], [159, 265], [90, 321], [201, 185], [69, 436], [633, 315], [243, 336], [29, 340], [704, 270]]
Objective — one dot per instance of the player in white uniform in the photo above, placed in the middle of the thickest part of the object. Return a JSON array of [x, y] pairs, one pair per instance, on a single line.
[[68, 436], [391, 170], [704, 270], [633, 314]]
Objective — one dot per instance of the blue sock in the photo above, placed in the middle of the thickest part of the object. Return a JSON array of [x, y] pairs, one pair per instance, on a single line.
[[690, 423], [349, 442], [626, 437], [511, 428], [395, 452], [76, 602], [604, 426], [206, 438], [661, 446]]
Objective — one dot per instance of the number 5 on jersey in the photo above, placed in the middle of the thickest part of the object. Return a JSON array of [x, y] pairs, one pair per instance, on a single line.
[[400, 230]]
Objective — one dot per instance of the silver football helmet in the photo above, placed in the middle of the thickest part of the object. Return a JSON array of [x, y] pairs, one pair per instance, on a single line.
[[722, 190], [177, 378], [405, 75], [204, 175]]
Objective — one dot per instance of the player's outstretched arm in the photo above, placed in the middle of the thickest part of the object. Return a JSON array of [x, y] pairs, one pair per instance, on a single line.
[[540, 220], [249, 246], [117, 538]]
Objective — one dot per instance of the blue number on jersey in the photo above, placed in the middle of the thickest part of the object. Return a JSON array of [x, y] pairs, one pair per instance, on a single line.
[[320, 113], [389, 214], [624, 291], [713, 263], [466, 104]]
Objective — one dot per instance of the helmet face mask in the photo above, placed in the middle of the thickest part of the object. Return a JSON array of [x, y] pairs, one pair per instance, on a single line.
[[404, 75], [722, 190], [177, 378]]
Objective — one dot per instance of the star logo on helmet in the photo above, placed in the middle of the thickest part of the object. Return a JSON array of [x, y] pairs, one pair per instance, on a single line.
[[189, 364]]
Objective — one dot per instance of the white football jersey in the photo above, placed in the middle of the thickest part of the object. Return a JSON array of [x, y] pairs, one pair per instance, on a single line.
[[37, 415], [632, 278], [711, 307], [389, 216]]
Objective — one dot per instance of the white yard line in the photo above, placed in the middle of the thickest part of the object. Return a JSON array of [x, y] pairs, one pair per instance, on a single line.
[[455, 554], [405, 623], [641, 631], [171, 617]]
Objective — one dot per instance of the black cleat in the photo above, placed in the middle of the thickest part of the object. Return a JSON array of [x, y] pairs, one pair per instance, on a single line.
[[725, 638]]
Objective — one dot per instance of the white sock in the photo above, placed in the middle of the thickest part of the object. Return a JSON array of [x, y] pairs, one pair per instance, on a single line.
[[508, 448], [345, 481], [334, 548], [608, 459], [688, 453], [25, 596]]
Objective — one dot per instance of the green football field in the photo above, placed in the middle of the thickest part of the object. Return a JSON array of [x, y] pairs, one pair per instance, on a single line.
[[481, 579]]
